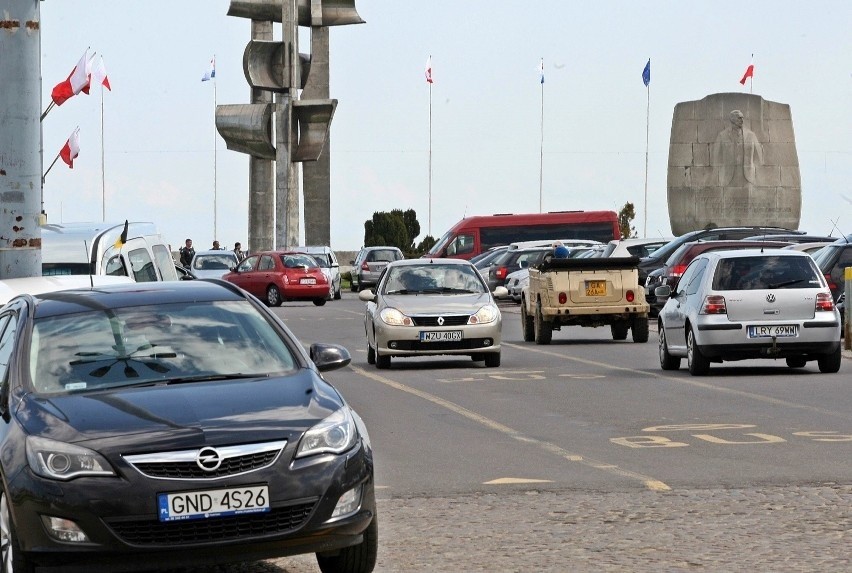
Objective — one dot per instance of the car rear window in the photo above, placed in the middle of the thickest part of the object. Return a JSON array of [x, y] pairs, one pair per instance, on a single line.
[[765, 272]]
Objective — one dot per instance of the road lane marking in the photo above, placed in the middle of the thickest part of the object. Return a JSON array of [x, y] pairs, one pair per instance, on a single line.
[[648, 482], [512, 481], [687, 381]]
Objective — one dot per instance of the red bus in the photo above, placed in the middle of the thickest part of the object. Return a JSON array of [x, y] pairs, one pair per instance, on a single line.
[[475, 235]]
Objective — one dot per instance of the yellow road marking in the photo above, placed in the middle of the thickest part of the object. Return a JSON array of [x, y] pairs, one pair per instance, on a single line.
[[647, 481]]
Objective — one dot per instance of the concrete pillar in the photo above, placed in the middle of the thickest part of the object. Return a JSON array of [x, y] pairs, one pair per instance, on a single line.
[[316, 175], [261, 208]]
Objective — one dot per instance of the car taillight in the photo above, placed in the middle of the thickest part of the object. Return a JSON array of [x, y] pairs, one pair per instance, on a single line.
[[677, 270], [714, 304], [365, 266], [501, 273], [630, 296], [563, 298], [831, 285], [824, 301]]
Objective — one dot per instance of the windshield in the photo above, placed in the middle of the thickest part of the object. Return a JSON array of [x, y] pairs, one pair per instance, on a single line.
[[216, 262], [106, 348], [444, 279], [765, 272], [442, 242]]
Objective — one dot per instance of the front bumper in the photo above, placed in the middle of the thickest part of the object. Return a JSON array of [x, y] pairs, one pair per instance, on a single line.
[[405, 340]]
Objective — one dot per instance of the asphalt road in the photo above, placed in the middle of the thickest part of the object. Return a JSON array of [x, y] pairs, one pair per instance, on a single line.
[[584, 456]]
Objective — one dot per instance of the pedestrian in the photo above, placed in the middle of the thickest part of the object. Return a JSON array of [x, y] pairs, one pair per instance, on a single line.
[[560, 251], [186, 253], [216, 246], [239, 251]]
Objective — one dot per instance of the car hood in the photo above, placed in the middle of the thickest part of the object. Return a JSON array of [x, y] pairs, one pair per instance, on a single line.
[[185, 415], [438, 303]]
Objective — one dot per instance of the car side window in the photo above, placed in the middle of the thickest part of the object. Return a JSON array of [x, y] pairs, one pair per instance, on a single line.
[[8, 326], [247, 265], [695, 282], [115, 267], [165, 263], [688, 274], [267, 263], [142, 266]]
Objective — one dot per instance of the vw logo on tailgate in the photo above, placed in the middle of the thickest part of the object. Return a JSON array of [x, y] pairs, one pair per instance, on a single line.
[[770, 297]]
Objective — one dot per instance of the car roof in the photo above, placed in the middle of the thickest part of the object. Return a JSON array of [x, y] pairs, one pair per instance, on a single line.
[[216, 252], [10, 288], [420, 262], [742, 253]]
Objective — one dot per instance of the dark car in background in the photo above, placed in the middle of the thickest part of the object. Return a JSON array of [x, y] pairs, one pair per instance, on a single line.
[[832, 261], [174, 424], [483, 260], [511, 261], [672, 269], [659, 257]]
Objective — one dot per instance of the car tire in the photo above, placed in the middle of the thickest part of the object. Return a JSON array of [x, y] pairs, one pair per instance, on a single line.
[[13, 559], [371, 355], [830, 363], [527, 323], [667, 361], [319, 301], [353, 287], [359, 558], [383, 361], [337, 295], [796, 361], [639, 328], [273, 296], [619, 330], [697, 362], [543, 328], [492, 360]]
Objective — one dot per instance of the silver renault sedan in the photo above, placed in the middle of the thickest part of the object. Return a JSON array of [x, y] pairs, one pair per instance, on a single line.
[[429, 307], [738, 305]]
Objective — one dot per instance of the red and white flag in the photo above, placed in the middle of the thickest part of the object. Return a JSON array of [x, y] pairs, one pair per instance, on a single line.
[[71, 149], [749, 73], [429, 70], [74, 84], [98, 75]]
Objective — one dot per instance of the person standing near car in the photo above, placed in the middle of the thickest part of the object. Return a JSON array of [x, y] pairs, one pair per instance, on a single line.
[[186, 253], [238, 250]]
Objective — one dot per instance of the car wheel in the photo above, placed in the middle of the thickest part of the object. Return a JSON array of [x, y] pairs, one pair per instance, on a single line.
[[697, 362], [640, 329], [796, 362], [667, 361], [492, 360], [337, 294], [273, 296], [830, 363], [527, 323], [371, 355], [13, 559], [359, 558], [543, 328], [382, 361], [353, 287], [319, 301], [619, 330]]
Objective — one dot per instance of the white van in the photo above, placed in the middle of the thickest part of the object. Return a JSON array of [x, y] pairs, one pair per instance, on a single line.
[[135, 250]]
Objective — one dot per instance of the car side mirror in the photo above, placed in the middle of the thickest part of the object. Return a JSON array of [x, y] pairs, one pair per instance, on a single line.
[[501, 292], [329, 356], [367, 295], [664, 291]]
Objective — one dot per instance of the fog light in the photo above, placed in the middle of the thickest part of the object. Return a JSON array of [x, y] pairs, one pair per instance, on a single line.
[[392, 344], [486, 342], [63, 529], [348, 504]]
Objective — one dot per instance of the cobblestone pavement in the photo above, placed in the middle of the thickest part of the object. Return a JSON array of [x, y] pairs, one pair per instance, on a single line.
[[777, 529]]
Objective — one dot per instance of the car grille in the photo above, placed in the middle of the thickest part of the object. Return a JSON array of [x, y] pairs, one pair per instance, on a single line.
[[152, 533], [218, 462], [452, 320]]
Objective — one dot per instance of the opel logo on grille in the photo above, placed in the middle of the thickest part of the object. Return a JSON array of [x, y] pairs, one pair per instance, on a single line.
[[440, 321], [208, 459], [770, 297]]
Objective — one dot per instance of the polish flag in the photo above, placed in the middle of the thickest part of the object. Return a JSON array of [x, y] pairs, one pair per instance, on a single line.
[[98, 75], [429, 70], [74, 84], [749, 73], [71, 149]]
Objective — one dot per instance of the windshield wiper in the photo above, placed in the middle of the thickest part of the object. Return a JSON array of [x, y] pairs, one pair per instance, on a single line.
[[787, 283], [210, 377]]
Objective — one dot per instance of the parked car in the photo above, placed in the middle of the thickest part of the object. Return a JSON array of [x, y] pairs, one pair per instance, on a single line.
[[656, 259], [483, 260], [511, 261], [370, 263], [737, 305], [832, 261], [327, 261], [634, 247], [429, 307], [671, 271], [810, 248], [213, 264], [175, 424], [515, 283], [794, 238], [10, 288], [278, 276]]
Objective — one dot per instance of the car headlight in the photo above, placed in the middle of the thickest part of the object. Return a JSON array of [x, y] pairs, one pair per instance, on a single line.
[[334, 435], [486, 314], [393, 317], [58, 460]]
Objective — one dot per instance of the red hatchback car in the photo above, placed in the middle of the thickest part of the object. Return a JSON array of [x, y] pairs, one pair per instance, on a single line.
[[276, 276]]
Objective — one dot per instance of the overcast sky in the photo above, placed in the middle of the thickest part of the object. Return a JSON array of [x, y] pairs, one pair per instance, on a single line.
[[486, 107]]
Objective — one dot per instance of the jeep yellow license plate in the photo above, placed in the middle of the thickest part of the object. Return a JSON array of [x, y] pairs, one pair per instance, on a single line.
[[595, 288]]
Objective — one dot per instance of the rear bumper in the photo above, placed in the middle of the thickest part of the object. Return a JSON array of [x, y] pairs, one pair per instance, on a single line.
[[767, 350]]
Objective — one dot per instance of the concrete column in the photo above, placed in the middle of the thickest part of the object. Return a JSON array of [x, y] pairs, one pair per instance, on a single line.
[[261, 207], [286, 178], [316, 175], [20, 139]]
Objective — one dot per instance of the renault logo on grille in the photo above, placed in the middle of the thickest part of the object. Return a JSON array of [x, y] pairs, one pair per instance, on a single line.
[[770, 297], [208, 459], [440, 321]]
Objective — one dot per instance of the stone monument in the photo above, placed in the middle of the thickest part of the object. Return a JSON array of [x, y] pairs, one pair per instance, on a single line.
[[733, 161]]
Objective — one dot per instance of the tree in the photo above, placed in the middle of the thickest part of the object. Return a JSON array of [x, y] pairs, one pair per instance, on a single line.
[[625, 218], [397, 228]]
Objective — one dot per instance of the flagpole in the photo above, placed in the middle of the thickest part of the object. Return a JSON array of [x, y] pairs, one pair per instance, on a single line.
[[43, 177], [215, 235], [103, 177], [430, 155], [751, 78], [647, 125], [541, 143]]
